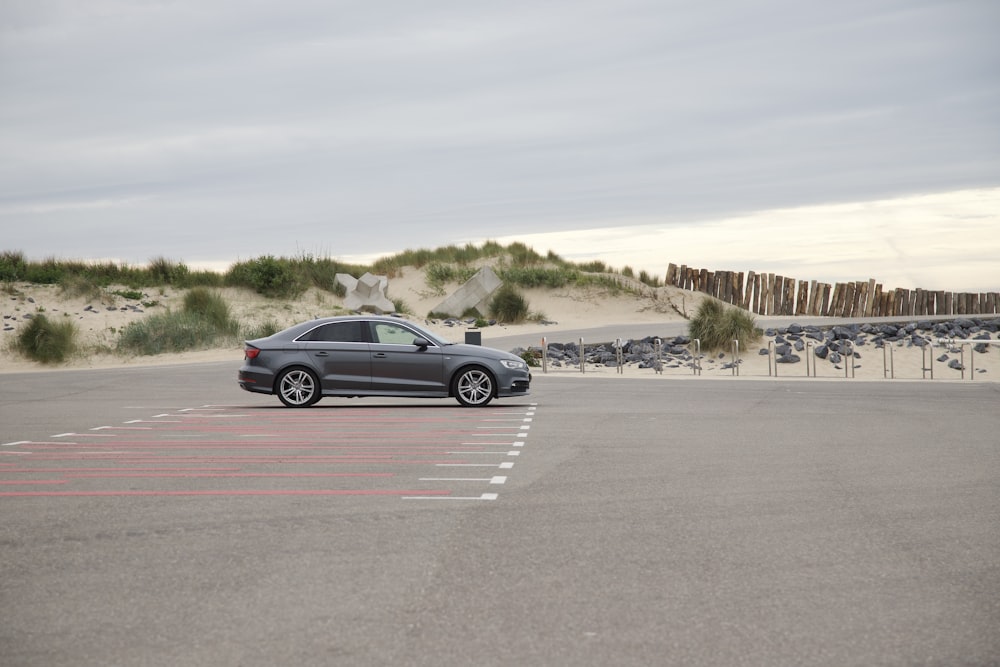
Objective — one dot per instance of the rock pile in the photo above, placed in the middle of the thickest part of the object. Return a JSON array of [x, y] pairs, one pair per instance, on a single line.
[[834, 344]]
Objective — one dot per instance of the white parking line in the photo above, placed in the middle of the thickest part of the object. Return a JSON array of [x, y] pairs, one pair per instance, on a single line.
[[496, 479], [504, 465], [485, 496]]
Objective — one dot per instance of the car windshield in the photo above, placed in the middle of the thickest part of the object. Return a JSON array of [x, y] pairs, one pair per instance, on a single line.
[[437, 340]]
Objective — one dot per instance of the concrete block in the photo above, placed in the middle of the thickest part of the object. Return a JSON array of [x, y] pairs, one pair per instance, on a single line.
[[366, 293], [475, 293]]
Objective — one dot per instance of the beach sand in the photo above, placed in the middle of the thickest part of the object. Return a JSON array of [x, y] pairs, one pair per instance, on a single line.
[[562, 315]]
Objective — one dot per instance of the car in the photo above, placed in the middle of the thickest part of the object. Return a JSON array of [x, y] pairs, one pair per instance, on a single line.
[[377, 355]]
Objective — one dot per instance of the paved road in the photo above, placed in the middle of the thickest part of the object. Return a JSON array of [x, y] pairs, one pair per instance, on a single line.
[[646, 522], [500, 337]]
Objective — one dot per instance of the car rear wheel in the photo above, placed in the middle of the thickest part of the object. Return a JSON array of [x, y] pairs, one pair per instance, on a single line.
[[473, 387], [298, 388]]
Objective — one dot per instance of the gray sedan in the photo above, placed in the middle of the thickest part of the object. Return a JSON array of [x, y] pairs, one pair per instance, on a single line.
[[376, 356]]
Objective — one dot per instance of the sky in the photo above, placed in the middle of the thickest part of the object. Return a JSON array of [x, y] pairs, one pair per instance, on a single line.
[[827, 141]]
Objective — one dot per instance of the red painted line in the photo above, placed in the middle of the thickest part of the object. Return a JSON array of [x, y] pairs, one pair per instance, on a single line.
[[34, 470], [241, 446], [292, 492], [287, 460], [33, 481], [72, 474]]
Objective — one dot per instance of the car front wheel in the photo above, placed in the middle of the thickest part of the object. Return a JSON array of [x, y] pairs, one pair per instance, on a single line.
[[473, 387], [298, 388]]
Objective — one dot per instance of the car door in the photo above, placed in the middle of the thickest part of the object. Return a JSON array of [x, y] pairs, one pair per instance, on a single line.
[[399, 366], [341, 355]]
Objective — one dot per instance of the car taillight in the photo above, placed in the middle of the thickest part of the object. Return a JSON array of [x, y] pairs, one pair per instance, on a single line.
[[250, 353]]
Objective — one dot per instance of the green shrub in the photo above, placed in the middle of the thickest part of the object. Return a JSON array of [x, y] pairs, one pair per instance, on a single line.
[[509, 305], [268, 276], [163, 271], [46, 341], [47, 272], [13, 265], [211, 307], [168, 332], [531, 357], [130, 294], [717, 326], [539, 276], [262, 330]]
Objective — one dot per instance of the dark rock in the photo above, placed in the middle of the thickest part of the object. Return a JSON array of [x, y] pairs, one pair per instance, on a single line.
[[822, 351], [789, 359]]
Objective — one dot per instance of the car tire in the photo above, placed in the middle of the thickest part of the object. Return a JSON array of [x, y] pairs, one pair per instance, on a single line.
[[298, 388], [473, 387]]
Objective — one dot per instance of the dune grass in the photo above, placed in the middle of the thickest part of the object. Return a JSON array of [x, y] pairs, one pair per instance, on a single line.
[[289, 277], [204, 322], [717, 325], [47, 341], [509, 305]]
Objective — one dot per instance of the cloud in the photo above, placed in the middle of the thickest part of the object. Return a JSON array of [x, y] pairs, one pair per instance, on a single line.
[[261, 127]]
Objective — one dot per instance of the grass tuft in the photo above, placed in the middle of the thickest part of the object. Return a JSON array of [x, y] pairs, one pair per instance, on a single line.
[[717, 325], [46, 341], [509, 305]]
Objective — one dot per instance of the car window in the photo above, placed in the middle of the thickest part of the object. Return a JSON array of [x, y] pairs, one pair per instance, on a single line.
[[336, 332], [386, 332]]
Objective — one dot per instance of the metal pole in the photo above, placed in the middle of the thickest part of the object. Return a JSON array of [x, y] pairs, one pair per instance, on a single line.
[[619, 357], [696, 364], [545, 355], [736, 356], [772, 358], [583, 357]]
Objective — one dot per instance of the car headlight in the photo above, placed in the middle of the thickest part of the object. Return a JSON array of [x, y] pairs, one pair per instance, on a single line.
[[517, 365]]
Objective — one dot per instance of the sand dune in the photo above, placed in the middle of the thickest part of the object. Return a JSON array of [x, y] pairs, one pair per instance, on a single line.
[[560, 316]]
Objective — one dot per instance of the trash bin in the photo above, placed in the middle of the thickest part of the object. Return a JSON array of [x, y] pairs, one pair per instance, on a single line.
[[474, 337]]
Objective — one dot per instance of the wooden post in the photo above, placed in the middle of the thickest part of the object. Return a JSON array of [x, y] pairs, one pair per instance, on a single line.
[[851, 289], [789, 307], [671, 274], [870, 293], [802, 303], [756, 293]]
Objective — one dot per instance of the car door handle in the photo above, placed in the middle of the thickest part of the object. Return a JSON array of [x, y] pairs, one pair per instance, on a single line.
[[322, 354], [379, 355]]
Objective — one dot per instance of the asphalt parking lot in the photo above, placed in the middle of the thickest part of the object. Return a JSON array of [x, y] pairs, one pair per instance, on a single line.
[[162, 516]]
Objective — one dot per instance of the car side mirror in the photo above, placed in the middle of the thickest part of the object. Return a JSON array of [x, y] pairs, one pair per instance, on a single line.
[[422, 343]]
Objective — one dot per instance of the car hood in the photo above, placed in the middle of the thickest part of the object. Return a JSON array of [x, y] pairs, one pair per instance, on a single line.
[[466, 350]]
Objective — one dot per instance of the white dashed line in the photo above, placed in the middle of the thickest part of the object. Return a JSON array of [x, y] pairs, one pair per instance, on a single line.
[[485, 496]]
